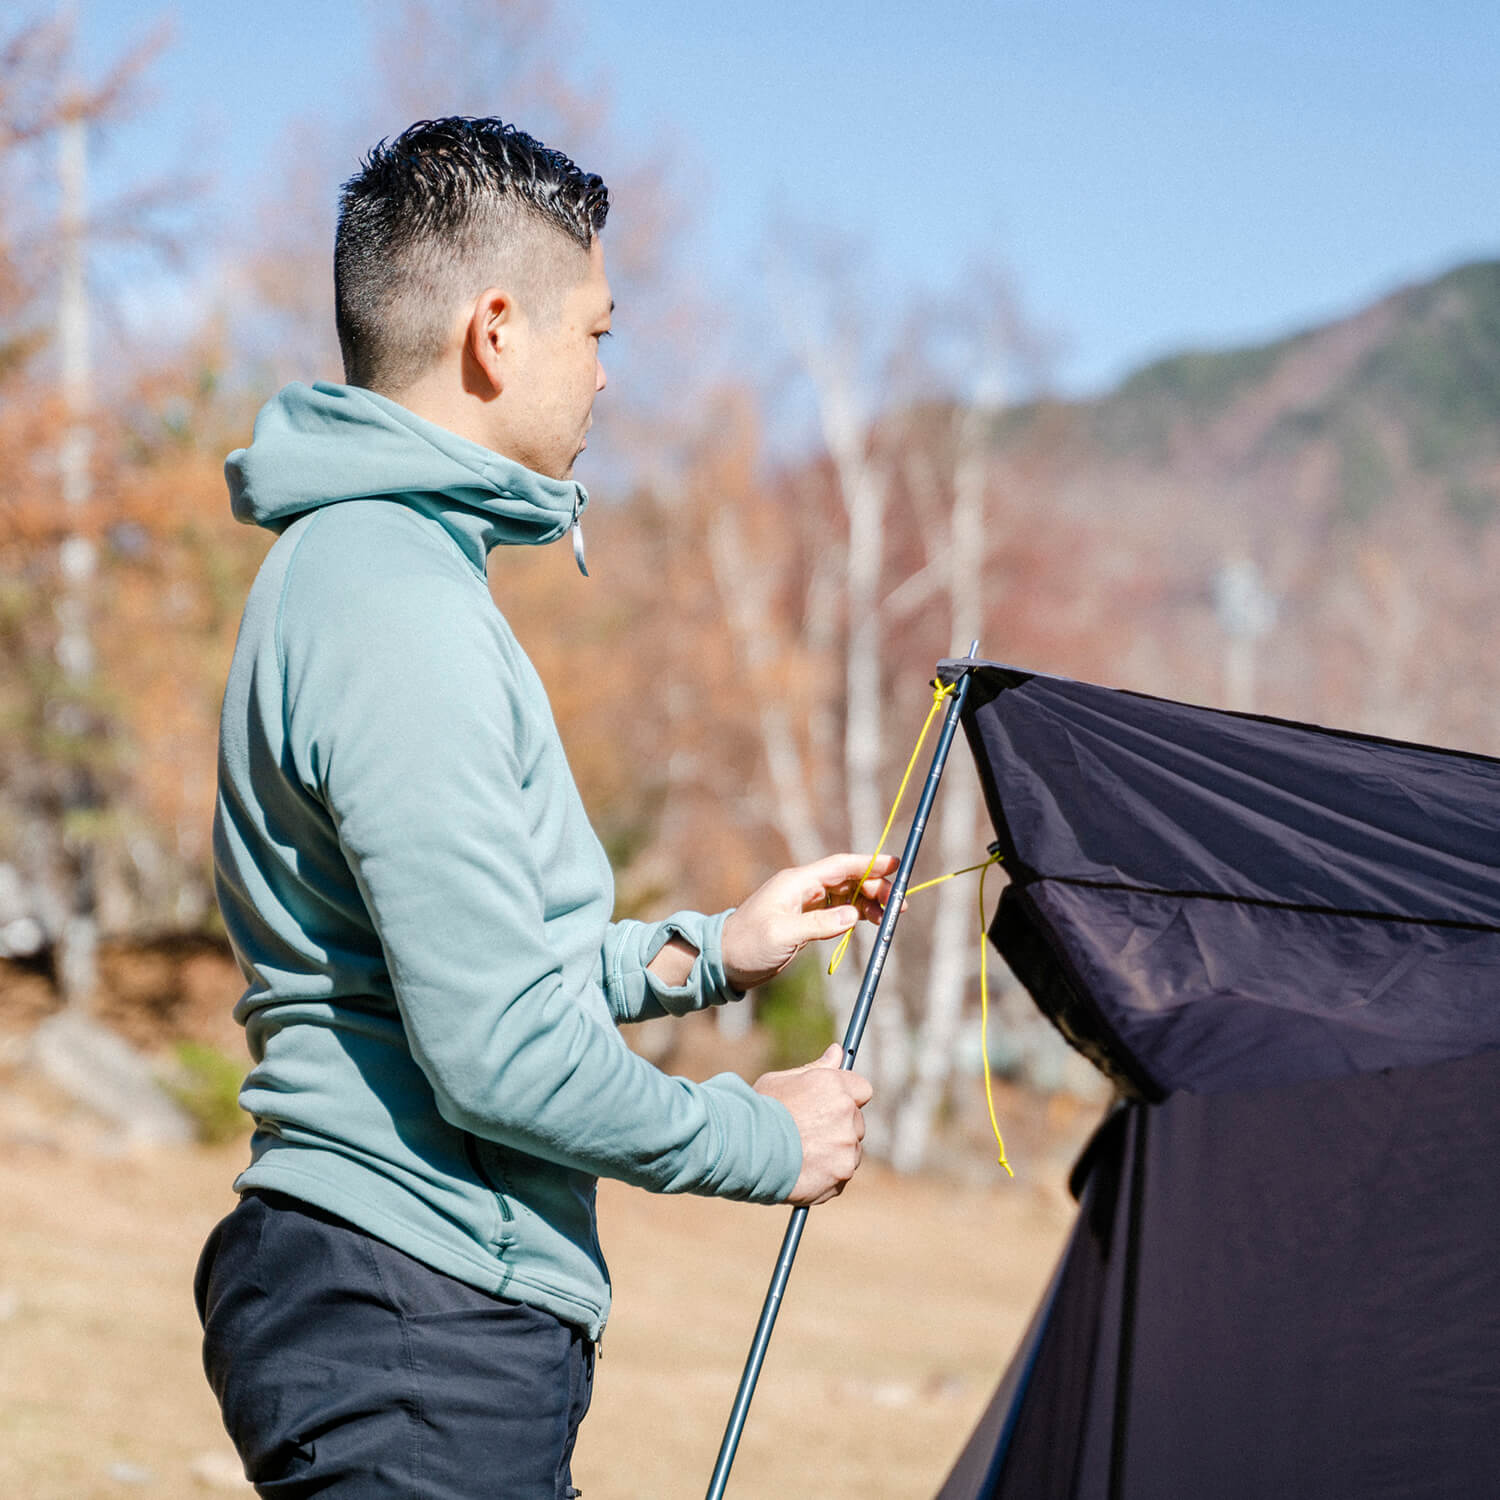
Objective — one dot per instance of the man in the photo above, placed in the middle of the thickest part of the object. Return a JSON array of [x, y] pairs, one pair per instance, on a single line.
[[406, 1299]]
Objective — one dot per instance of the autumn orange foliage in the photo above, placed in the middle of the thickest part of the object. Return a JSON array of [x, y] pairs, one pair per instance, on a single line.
[[700, 677]]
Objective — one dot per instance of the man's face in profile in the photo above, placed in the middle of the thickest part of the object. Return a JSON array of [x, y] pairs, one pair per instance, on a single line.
[[558, 372]]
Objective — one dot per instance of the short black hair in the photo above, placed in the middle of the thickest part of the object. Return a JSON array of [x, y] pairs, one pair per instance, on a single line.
[[425, 222]]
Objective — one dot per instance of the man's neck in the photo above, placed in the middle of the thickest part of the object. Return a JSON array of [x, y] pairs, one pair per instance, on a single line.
[[435, 400]]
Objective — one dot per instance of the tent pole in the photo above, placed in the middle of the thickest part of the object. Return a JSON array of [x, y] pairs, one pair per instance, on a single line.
[[852, 1037]]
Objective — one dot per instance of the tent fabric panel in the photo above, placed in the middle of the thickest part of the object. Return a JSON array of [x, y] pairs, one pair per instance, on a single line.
[[1209, 995], [1091, 783], [1040, 957], [1318, 1306], [1287, 1291], [1207, 901]]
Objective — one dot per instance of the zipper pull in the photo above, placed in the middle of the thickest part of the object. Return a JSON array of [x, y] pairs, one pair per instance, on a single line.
[[577, 529]]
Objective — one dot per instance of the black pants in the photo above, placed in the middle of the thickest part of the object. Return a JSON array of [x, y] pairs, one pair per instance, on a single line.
[[345, 1368]]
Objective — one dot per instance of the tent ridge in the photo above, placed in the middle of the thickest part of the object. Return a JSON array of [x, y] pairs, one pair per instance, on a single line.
[[993, 678]]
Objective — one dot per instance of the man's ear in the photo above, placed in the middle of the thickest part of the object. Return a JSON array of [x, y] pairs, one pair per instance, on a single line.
[[489, 342]]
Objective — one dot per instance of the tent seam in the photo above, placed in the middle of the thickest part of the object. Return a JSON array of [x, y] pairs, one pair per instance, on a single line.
[[1312, 908]]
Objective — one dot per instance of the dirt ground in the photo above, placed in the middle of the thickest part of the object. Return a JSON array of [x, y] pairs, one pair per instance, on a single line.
[[906, 1301]]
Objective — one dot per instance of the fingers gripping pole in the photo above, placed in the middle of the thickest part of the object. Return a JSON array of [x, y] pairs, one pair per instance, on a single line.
[[852, 1036]]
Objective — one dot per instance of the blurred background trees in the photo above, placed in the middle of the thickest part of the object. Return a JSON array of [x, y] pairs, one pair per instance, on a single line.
[[112, 590], [740, 683]]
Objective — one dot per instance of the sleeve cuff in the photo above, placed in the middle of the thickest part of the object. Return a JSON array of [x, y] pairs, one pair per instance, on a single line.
[[706, 984], [760, 1159]]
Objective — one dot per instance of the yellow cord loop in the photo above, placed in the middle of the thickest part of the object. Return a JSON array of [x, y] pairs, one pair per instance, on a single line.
[[927, 885], [940, 692], [984, 1012]]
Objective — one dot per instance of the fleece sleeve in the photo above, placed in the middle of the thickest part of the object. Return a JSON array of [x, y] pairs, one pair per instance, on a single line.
[[406, 718], [636, 994]]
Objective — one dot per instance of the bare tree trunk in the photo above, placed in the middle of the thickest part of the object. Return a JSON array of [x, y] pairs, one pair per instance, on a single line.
[[744, 592], [957, 916], [820, 631], [77, 941], [863, 488], [946, 495]]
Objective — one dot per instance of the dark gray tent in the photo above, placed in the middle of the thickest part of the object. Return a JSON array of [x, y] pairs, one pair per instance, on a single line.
[[1283, 945]]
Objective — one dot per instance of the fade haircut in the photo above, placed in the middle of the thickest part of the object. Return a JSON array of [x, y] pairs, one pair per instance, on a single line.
[[432, 218]]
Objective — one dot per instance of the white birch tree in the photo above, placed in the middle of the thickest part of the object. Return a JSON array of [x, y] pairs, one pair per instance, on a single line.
[[899, 541]]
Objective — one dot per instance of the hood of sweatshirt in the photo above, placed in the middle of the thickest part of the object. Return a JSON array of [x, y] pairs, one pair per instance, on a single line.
[[321, 444]]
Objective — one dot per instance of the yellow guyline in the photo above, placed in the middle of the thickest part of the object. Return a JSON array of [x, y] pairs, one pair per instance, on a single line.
[[939, 693]]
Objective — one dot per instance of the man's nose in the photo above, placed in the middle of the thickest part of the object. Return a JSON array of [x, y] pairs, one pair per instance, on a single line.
[[600, 378]]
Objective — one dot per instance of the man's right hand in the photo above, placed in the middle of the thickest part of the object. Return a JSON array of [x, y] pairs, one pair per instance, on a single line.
[[826, 1104]]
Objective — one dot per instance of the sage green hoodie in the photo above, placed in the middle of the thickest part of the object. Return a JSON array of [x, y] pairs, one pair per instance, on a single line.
[[414, 892]]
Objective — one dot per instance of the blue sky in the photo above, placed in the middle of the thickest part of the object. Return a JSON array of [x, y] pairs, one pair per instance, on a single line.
[[1154, 176]]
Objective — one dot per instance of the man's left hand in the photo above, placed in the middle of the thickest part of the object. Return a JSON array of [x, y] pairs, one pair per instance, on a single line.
[[799, 906]]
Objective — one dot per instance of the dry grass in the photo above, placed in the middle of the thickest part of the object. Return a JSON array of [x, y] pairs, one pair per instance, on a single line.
[[905, 1302], [901, 1312]]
